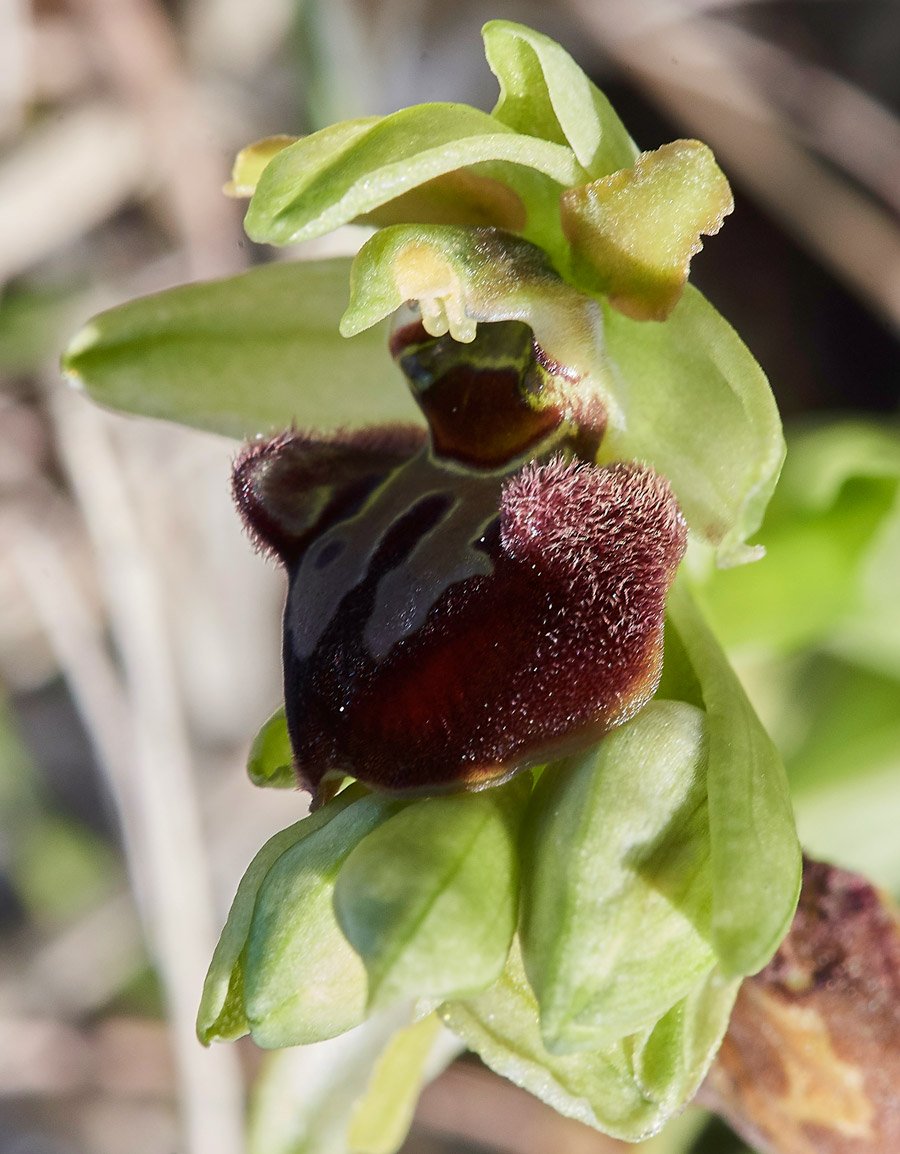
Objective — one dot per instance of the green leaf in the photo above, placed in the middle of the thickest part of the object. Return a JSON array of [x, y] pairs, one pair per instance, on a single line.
[[755, 856], [351, 1093], [849, 719], [337, 175], [845, 771], [699, 409], [33, 323], [59, 868], [617, 905], [810, 583], [242, 356], [628, 1090], [824, 458], [221, 1016], [871, 636], [544, 93], [382, 1116], [829, 562], [430, 899], [271, 759], [302, 980]]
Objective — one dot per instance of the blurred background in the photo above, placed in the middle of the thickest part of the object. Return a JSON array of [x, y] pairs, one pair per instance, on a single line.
[[139, 634]]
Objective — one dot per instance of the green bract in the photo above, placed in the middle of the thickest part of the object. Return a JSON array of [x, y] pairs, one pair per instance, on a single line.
[[627, 1089], [637, 882], [222, 1015], [282, 969], [618, 906]]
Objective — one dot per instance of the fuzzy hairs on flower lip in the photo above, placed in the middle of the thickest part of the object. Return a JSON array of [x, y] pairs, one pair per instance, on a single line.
[[563, 511]]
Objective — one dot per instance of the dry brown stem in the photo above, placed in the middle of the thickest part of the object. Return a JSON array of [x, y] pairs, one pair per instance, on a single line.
[[811, 1060]]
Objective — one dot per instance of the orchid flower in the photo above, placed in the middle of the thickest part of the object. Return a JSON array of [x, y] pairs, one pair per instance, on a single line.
[[482, 595]]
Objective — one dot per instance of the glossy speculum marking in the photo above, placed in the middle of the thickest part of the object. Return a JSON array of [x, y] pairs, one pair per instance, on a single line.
[[471, 601]]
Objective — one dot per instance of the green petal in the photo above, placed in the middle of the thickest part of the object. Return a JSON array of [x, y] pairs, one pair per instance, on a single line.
[[271, 759], [337, 175], [544, 93], [617, 905], [430, 899], [755, 856], [302, 981], [221, 1016], [633, 234], [699, 409], [242, 356]]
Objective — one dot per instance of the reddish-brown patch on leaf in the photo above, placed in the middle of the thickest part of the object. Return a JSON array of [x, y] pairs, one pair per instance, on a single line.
[[811, 1060]]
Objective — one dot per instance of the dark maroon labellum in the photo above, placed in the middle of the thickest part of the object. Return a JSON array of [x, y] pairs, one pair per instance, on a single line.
[[469, 605]]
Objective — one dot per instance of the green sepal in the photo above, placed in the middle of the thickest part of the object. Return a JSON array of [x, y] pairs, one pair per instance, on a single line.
[[544, 93], [302, 980], [430, 899], [755, 855], [617, 900], [343, 173], [628, 1090], [221, 1016], [271, 759], [699, 408], [242, 356]]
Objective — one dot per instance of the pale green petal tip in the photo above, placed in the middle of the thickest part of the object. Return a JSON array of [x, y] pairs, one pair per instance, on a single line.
[[84, 340], [250, 163]]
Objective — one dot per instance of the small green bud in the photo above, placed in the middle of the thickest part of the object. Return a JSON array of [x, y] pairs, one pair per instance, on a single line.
[[430, 899]]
